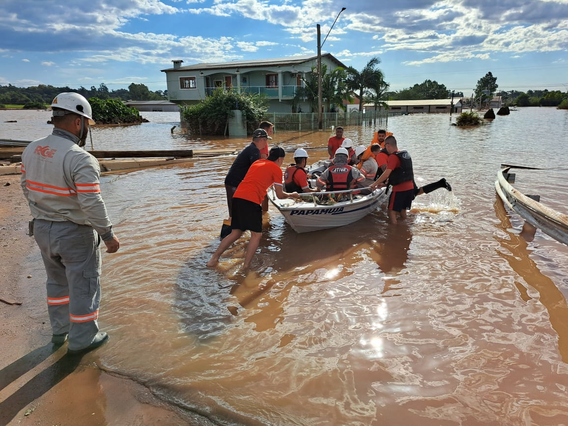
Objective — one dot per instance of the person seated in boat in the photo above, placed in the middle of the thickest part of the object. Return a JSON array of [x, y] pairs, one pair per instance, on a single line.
[[348, 145], [247, 200], [296, 176], [380, 136], [379, 139], [335, 141], [369, 166], [340, 175]]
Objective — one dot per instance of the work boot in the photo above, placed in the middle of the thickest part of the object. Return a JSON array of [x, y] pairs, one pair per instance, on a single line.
[[100, 339], [59, 339]]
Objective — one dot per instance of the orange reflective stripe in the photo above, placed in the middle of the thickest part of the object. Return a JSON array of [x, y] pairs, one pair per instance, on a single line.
[[49, 189], [22, 168], [58, 300], [88, 187], [84, 318]]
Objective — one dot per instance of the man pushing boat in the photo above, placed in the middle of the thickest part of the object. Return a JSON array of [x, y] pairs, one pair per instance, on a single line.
[[247, 200]]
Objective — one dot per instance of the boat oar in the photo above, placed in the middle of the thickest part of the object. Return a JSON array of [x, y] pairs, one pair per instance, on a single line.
[[512, 166]]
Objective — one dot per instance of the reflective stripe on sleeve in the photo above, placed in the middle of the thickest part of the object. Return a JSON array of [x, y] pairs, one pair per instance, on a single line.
[[84, 318], [57, 300], [88, 187]]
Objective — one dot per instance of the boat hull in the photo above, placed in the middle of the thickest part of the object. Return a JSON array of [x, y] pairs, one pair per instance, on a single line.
[[549, 221], [310, 216]]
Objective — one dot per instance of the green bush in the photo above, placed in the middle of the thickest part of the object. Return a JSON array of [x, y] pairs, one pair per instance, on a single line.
[[114, 111], [563, 104], [210, 117], [34, 105], [468, 119]]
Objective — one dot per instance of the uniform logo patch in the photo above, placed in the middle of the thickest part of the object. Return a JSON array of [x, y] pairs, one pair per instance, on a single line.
[[45, 151]]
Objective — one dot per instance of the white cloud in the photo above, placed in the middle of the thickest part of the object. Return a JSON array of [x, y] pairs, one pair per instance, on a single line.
[[25, 60], [48, 63]]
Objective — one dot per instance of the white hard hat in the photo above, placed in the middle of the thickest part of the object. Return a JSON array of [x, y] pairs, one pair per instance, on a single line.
[[347, 143], [342, 151], [75, 103], [300, 153], [359, 150]]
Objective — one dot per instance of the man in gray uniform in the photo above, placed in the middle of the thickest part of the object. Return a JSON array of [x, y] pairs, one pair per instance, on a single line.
[[61, 182]]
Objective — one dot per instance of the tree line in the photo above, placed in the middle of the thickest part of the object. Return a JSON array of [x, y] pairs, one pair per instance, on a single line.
[[41, 95]]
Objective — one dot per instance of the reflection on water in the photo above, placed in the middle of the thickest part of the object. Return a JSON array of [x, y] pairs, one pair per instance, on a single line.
[[449, 318]]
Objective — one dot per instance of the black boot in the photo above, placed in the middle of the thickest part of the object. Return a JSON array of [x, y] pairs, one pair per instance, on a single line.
[[436, 185]]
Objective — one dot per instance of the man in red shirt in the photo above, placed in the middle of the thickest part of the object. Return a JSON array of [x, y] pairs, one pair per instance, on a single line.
[[269, 128], [247, 200], [335, 141], [401, 177]]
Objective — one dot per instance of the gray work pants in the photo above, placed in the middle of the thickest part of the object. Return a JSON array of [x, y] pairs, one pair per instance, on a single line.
[[72, 262]]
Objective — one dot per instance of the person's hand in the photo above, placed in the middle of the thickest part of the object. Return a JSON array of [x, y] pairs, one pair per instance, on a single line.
[[295, 195], [112, 245]]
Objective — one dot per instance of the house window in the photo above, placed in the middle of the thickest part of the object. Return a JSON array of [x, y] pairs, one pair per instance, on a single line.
[[187, 83], [271, 80]]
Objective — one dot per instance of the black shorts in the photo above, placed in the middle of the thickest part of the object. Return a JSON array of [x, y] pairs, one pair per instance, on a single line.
[[401, 200], [247, 216]]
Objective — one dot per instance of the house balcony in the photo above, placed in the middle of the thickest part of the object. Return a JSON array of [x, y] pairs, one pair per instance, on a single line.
[[288, 92]]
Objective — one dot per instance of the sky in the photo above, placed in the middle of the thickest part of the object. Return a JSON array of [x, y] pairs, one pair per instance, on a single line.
[[524, 43]]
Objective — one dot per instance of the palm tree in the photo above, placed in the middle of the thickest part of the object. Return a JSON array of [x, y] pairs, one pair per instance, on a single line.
[[376, 95], [368, 78], [333, 87]]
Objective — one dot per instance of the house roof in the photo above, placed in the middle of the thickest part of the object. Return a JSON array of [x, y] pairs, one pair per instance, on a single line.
[[292, 60]]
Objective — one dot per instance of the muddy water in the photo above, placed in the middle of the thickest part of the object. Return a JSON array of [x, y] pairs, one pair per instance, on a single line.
[[451, 318]]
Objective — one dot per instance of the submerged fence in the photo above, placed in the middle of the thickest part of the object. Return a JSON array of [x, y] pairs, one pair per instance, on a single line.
[[304, 122], [309, 121]]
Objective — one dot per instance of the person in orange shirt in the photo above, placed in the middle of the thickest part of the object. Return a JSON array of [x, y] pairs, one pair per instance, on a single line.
[[335, 141], [380, 137], [247, 200]]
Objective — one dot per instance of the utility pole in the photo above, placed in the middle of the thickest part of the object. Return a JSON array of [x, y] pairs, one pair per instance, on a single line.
[[320, 44], [320, 113]]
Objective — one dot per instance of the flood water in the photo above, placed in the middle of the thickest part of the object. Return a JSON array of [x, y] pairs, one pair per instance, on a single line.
[[449, 319]]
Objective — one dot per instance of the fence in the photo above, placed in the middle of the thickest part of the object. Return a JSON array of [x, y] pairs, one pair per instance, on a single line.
[[309, 121]]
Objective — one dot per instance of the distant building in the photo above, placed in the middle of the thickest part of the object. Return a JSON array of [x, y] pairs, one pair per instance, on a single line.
[[421, 106], [496, 102], [278, 79], [165, 106]]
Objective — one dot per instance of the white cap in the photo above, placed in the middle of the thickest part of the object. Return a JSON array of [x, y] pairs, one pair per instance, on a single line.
[[347, 143], [300, 153], [342, 151], [359, 150]]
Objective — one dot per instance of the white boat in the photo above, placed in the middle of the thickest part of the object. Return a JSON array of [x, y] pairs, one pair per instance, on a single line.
[[549, 221], [313, 214]]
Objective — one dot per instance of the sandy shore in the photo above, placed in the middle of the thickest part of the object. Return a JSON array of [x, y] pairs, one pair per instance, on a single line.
[[40, 386]]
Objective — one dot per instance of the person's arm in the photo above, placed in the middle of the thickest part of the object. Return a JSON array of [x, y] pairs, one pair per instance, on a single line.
[[329, 150], [384, 176], [85, 175], [283, 195]]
